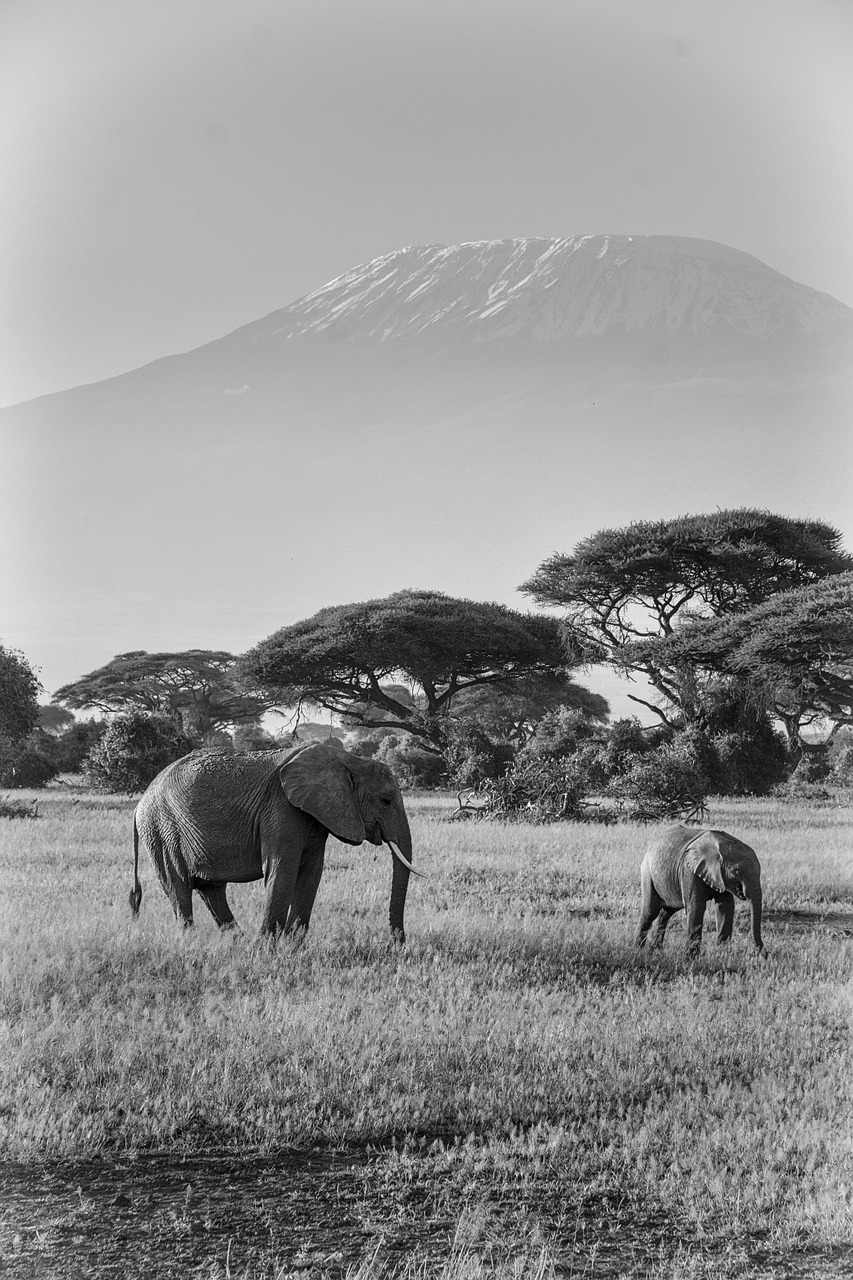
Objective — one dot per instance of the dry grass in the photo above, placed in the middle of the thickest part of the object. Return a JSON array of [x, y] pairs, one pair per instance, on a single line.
[[519, 1057]]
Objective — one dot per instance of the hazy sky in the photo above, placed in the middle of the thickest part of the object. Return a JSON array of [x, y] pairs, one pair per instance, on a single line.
[[172, 170]]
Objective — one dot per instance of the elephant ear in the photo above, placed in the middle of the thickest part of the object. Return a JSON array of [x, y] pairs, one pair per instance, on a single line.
[[317, 781], [702, 857]]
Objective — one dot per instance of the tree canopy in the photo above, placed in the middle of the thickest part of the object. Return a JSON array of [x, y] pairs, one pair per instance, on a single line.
[[19, 690], [513, 710], [794, 651], [194, 687], [621, 586], [346, 658], [54, 719]]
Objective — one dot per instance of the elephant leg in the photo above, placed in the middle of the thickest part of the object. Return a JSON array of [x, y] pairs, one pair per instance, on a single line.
[[280, 880], [172, 874], [213, 897], [695, 920], [652, 904], [664, 916], [307, 883], [181, 897], [725, 917]]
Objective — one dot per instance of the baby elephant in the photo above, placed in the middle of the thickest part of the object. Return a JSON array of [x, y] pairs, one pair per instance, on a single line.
[[684, 867]]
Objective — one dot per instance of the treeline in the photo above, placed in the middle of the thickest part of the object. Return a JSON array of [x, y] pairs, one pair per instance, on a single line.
[[736, 628]]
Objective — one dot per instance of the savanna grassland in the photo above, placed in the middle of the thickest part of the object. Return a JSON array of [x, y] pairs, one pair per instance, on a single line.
[[517, 1092]]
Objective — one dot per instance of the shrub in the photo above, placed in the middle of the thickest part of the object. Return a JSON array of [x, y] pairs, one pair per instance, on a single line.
[[133, 750], [543, 790], [815, 766], [251, 736], [69, 749], [749, 763], [625, 741], [19, 690], [560, 733], [841, 759], [366, 742], [412, 764], [532, 790], [665, 783], [23, 765], [18, 808], [472, 757]]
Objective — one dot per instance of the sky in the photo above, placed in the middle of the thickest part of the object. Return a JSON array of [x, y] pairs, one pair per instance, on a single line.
[[173, 170]]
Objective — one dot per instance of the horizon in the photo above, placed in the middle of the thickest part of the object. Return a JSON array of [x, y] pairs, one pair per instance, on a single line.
[[179, 171]]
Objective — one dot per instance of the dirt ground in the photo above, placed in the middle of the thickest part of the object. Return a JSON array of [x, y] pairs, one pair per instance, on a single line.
[[318, 1214]]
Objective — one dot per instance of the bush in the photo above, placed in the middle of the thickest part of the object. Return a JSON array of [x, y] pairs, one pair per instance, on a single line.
[[531, 790], [18, 808], [133, 750], [841, 758], [751, 763], [251, 736], [19, 690], [472, 757], [366, 742], [814, 766], [665, 783], [626, 739], [24, 766], [545, 790], [69, 749], [560, 733], [412, 764]]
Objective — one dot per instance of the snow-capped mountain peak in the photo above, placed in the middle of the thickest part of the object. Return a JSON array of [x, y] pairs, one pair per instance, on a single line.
[[553, 288]]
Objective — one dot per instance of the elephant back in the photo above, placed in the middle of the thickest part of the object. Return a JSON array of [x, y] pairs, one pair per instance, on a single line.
[[210, 788], [665, 859]]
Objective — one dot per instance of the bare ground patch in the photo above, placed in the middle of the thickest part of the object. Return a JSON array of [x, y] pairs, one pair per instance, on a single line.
[[328, 1215]]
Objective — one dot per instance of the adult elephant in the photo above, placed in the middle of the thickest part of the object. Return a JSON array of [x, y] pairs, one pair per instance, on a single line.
[[213, 818], [687, 868]]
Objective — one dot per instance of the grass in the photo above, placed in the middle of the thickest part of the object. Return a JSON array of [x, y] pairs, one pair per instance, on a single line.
[[519, 1065]]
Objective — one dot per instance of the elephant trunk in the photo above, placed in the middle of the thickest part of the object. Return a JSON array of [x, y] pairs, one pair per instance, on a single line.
[[400, 882], [755, 902]]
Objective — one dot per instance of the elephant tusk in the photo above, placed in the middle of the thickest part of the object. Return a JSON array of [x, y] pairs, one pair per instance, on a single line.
[[397, 854]]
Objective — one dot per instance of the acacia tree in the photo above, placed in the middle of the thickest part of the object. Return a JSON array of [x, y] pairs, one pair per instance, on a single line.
[[793, 653], [624, 586], [512, 711], [348, 657], [195, 688]]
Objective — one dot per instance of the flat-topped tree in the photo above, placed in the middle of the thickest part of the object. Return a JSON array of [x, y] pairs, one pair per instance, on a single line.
[[347, 658], [511, 712], [194, 687], [622, 586], [793, 653]]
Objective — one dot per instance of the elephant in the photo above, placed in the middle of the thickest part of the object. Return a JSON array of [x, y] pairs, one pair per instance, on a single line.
[[214, 818], [685, 867]]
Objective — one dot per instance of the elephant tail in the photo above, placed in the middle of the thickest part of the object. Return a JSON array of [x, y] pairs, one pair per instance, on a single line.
[[136, 891]]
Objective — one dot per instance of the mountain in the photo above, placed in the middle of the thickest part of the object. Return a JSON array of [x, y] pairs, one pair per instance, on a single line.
[[443, 417], [645, 299], [552, 289]]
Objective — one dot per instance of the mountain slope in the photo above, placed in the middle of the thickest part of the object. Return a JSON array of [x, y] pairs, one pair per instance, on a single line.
[[558, 288], [440, 417]]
